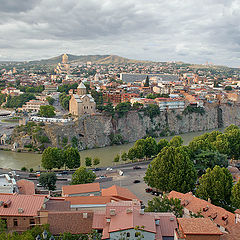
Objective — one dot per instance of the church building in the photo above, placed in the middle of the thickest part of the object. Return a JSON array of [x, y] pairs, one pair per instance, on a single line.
[[81, 103]]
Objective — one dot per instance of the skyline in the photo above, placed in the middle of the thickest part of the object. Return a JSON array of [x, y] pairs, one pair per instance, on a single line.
[[194, 32]]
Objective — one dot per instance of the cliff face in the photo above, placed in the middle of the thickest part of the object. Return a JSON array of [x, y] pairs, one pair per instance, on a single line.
[[99, 130]]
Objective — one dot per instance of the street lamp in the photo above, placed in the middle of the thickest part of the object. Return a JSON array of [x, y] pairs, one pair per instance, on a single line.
[[44, 234]]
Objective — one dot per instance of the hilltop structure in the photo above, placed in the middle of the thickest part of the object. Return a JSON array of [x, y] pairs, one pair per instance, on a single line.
[[81, 103], [64, 67]]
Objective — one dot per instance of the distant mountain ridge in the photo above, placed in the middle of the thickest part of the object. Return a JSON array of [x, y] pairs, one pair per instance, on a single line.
[[98, 59]]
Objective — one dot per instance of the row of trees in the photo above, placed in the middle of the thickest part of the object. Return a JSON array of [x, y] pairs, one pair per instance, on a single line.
[[18, 101], [176, 167], [64, 100], [53, 157]]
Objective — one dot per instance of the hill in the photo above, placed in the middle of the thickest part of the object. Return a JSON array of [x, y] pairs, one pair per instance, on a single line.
[[98, 59]]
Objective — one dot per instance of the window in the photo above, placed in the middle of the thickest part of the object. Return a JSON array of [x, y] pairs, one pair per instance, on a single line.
[[128, 234], [32, 221], [15, 222]]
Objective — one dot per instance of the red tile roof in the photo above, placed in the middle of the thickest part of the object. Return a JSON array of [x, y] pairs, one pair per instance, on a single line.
[[234, 233], [120, 192], [70, 221], [80, 188], [30, 204], [198, 226], [195, 205], [99, 219], [26, 187]]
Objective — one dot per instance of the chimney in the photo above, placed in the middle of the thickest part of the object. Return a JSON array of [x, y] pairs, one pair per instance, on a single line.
[[141, 211], [209, 200], [20, 210], [112, 212], [85, 215], [237, 216]]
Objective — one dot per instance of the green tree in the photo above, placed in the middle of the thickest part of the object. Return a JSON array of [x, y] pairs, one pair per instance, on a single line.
[[47, 111], [228, 88], [72, 158], [52, 158], [137, 106], [116, 158], [123, 108], [124, 156], [217, 185], [150, 147], [176, 141], [88, 161], [235, 198], [165, 205], [209, 159], [171, 170], [48, 180], [50, 100], [162, 144], [146, 84], [152, 110], [83, 175], [96, 161]]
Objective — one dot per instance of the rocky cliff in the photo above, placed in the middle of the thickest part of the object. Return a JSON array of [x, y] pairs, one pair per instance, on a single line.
[[102, 130]]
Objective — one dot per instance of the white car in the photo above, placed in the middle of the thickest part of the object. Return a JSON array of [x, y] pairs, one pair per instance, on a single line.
[[109, 169]]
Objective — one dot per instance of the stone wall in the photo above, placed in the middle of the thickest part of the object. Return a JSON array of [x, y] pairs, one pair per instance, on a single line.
[[96, 130]]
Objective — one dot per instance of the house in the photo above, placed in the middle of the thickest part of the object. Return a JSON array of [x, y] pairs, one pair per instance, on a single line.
[[26, 187], [196, 229], [127, 219], [7, 184], [88, 189], [20, 212], [222, 218]]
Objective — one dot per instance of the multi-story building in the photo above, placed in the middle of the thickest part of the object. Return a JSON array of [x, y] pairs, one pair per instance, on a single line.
[[33, 106]]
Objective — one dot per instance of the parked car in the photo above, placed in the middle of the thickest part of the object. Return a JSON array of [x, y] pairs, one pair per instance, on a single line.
[[102, 177], [137, 167], [39, 185], [155, 193], [109, 169], [136, 181], [64, 172], [148, 190], [97, 169]]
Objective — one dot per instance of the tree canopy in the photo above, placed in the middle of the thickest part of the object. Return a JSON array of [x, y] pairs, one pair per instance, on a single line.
[[72, 158], [83, 175], [216, 184], [47, 111], [48, 180], [235, 198], [165, 205], [171, 170], [52, 158]]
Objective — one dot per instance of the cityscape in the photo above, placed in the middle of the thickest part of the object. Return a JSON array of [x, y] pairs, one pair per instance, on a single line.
[[118, 143]]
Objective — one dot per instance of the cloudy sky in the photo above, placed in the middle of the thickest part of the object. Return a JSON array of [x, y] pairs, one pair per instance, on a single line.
[[193, 31]]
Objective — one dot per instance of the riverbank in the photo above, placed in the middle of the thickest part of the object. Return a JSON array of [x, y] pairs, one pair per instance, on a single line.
[[15, 160]]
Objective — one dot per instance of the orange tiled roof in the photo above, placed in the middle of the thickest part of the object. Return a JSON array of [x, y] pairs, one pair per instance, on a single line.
[[26, 187], [80, 188], [234, 233], [219, 215], [30, 204], [120, 192], [199, 226]]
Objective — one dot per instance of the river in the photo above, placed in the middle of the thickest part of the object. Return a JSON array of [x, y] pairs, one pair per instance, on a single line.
[[16, 160]]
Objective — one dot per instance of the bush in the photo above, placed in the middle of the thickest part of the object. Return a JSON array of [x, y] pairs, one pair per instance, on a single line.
[[24, 169], [192, 109]]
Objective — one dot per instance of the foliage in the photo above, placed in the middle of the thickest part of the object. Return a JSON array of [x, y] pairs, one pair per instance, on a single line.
[[52, 158], [64, 100], [96, 161], [98, 97], [208, 159], [162, 143], [235, 198], [50, 100], [83, 175], [74, 142], [35, 89], [176, 141], [215, 184], [124, 157], [116, 139], [2, 98], [66, 87], [72, 158], [88, 161], [150, 147], [157, 95], [165, 205], [137, 106], [192, 109], [152, 110], [228, 88], [24, 169], [171, 170], [48, 180], [47, 111], [116, 158], [123, 108], [19, 101]]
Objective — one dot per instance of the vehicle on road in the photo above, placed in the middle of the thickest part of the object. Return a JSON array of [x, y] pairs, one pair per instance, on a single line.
[[136, 181], [102, 177], [148, 190], [97, 169], [136, 167], [39, 185], [109, 169]]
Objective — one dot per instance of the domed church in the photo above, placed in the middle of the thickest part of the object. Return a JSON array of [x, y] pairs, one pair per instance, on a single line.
[[81, 103]]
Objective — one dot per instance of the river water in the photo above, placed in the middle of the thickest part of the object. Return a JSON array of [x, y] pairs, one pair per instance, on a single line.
[[15, 160]]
